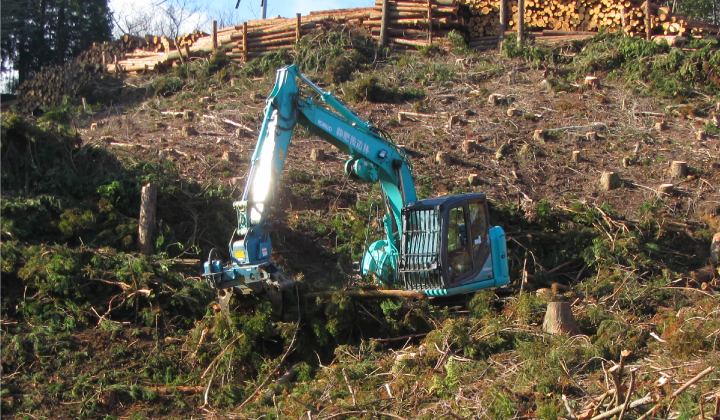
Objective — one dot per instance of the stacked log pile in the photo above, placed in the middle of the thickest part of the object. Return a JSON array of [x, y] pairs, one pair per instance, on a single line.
[[414, 23], [564, 16], [409, 21], [680, 25], [410, 24]]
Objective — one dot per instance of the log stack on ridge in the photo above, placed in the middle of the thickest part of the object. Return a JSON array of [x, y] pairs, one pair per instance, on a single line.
[[410, 24]]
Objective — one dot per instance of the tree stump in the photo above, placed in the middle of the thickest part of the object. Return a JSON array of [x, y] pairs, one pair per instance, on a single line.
[[443, 158], [317, 155], [592, 82], [591, 136], [546, 84], [469, 146], [700, 135], [189, 130], [715, 248], [667, 189], [636, 152], [452, 120], [473, 179], [540, 135], [610, 180], [576, 156], [678, 169], [188, 114], [236, 182], [148, 198], [513, 112], [660, 125], [497, 99], [229, 156], [559, 319], [94, 126], [625, 162]]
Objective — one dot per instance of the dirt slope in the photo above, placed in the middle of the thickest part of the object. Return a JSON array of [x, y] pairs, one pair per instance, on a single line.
[[633, 263]]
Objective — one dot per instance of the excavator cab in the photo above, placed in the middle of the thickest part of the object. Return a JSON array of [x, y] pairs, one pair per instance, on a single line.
[[448, 247]]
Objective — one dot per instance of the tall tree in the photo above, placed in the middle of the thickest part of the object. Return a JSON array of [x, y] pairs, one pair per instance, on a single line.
[[38, 33]]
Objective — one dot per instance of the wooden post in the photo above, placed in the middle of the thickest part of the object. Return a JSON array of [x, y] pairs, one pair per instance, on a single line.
[[148, 197], [215, 43], [648, 20], [245, 42], [503, 23], [520, 22], [384, 23], [298, 25], [429, 14]]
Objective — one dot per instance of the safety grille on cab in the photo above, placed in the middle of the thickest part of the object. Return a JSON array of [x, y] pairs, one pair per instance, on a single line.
[[419, 257]]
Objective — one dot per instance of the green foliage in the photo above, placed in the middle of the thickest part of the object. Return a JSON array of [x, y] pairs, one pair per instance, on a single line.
[[457, 41], [217, 61], [482, 304], [529, 308], [167, 85], [336, 52], [372, 89], [501, 406], [340, 312], [673, 73], [268, 64], [68, 281]]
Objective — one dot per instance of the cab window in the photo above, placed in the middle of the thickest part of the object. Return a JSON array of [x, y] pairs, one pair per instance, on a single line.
[[457, 241], [478, 226]]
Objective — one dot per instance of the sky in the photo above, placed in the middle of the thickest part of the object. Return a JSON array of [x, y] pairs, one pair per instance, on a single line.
[[224, 10]]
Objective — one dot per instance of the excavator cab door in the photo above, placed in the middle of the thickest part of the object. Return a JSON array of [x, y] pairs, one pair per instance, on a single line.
[[466, 244], [445, 242]]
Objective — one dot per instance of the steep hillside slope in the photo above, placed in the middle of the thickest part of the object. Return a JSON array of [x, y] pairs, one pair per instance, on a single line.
[[92, 329]]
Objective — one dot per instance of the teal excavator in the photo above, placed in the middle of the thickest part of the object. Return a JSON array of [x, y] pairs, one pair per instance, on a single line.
[[438, 246]]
